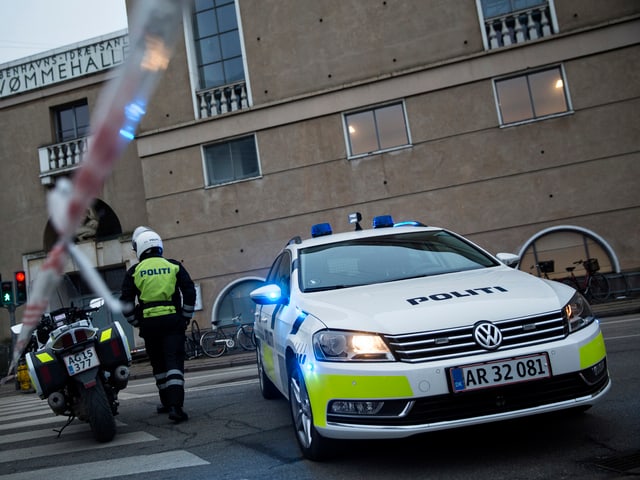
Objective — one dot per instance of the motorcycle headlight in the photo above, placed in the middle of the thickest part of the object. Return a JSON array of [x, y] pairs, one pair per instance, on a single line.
[[577, 313], [342, 346]]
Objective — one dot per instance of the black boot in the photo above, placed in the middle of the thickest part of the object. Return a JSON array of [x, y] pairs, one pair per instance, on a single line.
[[177, 414], [162, 409]]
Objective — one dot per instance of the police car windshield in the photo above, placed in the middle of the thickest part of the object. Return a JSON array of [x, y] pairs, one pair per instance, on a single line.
[[387, 258]]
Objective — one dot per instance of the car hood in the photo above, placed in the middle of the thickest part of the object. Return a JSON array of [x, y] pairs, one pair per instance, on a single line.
[[442, 301]]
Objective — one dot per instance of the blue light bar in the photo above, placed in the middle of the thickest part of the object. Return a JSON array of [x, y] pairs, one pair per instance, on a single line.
[[382, 221], [409, 223], [321, 229]]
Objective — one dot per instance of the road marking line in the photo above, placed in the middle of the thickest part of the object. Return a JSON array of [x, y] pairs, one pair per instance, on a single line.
[[110, 468], [66, 447], [41, 434]]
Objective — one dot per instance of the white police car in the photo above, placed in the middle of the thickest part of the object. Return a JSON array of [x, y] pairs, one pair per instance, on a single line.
[[404, 329]]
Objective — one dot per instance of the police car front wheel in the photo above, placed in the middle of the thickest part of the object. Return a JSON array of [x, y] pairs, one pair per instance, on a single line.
[[312, 445]]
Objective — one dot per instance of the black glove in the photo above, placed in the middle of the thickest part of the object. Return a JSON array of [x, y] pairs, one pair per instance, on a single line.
[[133, 322], [187, 321]]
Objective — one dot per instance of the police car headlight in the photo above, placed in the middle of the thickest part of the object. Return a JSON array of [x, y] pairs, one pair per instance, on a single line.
[[577, 313], [340, 346]]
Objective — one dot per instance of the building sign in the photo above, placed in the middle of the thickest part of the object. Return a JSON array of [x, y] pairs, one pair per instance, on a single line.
[[63, 64]]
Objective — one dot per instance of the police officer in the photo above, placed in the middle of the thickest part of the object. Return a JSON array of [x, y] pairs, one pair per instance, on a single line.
[[166, 298]]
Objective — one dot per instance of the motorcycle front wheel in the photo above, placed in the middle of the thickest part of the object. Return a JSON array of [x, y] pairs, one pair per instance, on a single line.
[[101, 420]]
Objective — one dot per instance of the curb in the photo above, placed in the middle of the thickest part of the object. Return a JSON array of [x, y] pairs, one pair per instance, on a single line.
[[142, 368]]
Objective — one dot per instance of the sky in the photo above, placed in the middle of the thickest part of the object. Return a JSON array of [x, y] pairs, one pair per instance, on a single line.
[[28, 27]]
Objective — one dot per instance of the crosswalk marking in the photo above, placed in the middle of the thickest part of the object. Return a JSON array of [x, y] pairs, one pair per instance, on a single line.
[[40, 434], [104, 469], [61, 420], [27, 423], [67, 446]]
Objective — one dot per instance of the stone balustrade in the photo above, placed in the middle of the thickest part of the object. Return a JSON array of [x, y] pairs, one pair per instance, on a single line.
[[61, 158], [518, 27], [223, 99]]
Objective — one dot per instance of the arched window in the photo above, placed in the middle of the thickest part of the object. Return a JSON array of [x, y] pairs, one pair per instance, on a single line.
[[234, 300], [552, 250]]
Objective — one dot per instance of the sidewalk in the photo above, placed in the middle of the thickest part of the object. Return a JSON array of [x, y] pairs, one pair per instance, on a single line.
[[622, 306], [142, 368]]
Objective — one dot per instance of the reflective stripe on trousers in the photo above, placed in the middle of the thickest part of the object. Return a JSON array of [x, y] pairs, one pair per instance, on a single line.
[[168, 379]]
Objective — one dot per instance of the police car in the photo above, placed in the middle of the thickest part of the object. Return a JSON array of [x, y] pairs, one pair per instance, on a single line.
[[404, 328]]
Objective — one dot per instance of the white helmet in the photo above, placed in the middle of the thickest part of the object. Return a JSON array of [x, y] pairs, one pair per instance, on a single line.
[[136, 234], [146, 240]]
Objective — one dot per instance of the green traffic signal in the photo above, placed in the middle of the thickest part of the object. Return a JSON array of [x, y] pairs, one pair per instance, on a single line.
[[7, 293]]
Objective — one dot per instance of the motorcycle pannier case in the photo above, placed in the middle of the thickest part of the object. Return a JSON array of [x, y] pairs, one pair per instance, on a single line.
[[112, 347], [47, 372]]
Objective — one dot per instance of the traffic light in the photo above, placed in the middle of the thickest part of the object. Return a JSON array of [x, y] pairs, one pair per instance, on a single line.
[[21, 287], [7, 294]]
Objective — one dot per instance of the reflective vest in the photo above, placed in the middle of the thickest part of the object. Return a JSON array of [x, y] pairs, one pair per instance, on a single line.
[[156, 278]]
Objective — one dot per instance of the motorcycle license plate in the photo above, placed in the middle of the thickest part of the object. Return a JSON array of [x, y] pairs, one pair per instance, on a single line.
[[503, 372], [81, 361]]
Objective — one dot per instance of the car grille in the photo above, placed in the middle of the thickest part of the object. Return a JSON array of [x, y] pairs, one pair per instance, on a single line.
[[455, 342], [488, 401]]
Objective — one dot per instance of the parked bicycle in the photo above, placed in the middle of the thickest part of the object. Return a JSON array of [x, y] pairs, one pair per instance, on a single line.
[[217, 341], [192, 347], [544, 267], [594, 286]]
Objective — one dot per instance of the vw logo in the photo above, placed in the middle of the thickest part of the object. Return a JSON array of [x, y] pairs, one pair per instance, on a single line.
[[487, 335]]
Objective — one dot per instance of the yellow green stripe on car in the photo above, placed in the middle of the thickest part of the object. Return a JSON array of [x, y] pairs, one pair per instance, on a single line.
[[267, 360], [323, 388], [592, 352]]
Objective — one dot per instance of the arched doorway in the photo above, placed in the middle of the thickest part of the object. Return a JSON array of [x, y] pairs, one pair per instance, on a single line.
[[100, 223], [554, 249]]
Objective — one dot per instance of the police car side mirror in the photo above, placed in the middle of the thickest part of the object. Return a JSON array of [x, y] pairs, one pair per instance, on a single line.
[[267, 295], [509, 259]]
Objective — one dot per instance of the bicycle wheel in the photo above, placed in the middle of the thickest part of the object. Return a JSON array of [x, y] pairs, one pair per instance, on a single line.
[[195, 331], [189, 349], [599, 287], [244, 337], [213, 343]]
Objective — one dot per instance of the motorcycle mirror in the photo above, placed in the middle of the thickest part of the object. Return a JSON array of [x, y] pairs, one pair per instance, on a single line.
[[96, 302]]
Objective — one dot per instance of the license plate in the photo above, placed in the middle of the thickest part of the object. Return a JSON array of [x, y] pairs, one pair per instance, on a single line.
[[81, 361], [500, 372]]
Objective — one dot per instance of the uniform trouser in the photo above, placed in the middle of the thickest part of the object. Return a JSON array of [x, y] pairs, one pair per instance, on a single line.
[[165, 348]]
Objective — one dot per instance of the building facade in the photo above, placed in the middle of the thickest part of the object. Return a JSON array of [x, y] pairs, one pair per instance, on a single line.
[[513, 122]]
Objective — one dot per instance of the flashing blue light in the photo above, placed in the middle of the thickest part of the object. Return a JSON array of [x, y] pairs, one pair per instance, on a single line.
[[133, 112], [273, 296], [321, 229], [127, 134], [382, 221], [409, 223]]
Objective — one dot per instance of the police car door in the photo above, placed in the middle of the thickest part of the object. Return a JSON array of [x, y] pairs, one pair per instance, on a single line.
[[274, 321]]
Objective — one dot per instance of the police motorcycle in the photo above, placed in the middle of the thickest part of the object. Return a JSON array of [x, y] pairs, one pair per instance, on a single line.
[[79, 368]]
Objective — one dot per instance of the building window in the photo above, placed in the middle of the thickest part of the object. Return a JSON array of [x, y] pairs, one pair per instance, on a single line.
[[71, 121], [231, 161], [509, 22], [377, 129], [217, 43], [532, 96]]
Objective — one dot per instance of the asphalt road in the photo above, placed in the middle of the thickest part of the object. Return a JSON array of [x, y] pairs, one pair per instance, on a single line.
[[233, 433]]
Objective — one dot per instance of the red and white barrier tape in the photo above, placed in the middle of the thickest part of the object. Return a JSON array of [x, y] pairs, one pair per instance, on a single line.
[[153, 31]]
